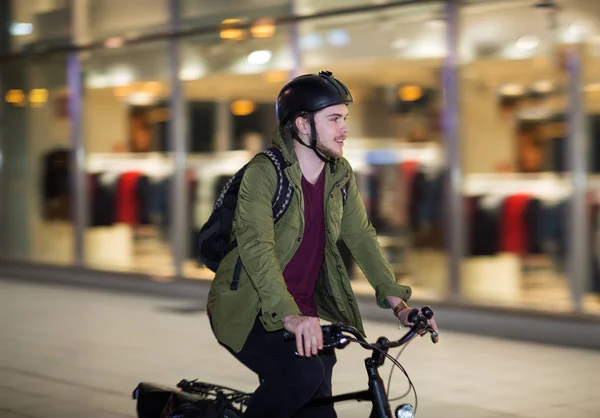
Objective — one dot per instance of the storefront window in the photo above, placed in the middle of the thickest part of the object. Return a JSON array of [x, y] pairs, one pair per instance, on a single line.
[[37, 176], [230, 86], [128, 165], [394, 141], [207, 13], [124, 19], [513, 131], [392, 68], [589, 47], [517, 186], [39, 23]]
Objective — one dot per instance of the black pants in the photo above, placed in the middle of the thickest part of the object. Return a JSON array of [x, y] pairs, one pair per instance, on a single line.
[[288, 381]]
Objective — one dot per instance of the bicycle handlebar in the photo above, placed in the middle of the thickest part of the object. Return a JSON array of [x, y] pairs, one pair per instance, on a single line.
[[333, 335]]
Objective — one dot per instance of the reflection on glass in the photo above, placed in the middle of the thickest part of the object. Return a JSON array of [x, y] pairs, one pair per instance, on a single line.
[[516, 186], [591, 91], [230, 89], [38, 223], [128, 164], [207, 13], [393, 145]]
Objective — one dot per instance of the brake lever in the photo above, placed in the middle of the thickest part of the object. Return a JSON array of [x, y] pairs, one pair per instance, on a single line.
[[433, 333]]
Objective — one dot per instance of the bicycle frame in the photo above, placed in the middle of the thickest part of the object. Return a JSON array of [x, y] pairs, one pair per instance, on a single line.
[[376, 392]]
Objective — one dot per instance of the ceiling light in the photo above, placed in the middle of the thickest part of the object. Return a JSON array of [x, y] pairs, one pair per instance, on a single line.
[[338, 37], [512, 90], [14, 96], [263, 28], [122, 76], [191, 72], [98, 81], [242, 107], [141, 98], [410, 93], [21, 29], [259, 57], [231, 34], [528, 42], [574, 33], [311, 41], [542, 86], [38, 96]]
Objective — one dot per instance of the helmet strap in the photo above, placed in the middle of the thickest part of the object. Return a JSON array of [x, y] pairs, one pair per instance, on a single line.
[[313, 141]]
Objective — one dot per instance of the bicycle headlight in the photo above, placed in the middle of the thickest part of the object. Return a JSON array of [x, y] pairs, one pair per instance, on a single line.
[[405, 410]]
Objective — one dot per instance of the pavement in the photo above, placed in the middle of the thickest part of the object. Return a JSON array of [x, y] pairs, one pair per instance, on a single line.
[[67, 352]]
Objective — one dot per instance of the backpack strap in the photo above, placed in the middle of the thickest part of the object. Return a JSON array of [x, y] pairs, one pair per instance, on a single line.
[[284, 191], [281, 200]]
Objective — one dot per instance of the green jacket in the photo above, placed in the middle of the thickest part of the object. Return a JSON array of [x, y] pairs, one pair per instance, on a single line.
[[264, 249]]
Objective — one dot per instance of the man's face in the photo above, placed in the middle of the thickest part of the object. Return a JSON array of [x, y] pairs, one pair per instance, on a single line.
[[332, 130]]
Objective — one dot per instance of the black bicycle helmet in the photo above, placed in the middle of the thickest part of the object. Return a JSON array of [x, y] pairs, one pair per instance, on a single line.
[[310, 93]]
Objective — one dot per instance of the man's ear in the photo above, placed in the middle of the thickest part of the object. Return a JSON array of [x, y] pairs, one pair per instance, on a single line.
[[302, 125]]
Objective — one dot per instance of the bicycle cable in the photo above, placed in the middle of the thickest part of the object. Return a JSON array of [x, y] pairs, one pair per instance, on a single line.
[[395, 363], [405, 394]]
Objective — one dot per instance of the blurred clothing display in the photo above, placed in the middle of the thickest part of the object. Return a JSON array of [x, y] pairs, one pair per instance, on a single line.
[[527, 225], [123, 198], [519, 223]]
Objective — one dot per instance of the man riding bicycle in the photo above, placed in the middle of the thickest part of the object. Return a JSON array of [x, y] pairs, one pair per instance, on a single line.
[[291, 274]]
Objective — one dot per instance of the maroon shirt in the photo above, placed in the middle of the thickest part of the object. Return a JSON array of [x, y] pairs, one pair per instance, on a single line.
[[303, 269]]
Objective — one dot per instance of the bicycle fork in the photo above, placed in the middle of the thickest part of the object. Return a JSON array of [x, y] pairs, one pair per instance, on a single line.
[[381, 405]]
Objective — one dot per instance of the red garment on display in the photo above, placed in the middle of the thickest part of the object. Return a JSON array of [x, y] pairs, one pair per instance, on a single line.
[[408, 170], [513, 232], [127, 200]]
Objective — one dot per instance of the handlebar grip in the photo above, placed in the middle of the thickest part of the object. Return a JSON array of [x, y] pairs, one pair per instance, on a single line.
[[288, 336]]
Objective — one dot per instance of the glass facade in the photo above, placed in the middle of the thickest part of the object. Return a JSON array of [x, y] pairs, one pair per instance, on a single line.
[[472, 134]]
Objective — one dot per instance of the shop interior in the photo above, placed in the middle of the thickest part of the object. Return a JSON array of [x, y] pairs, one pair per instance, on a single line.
[[514, 109]]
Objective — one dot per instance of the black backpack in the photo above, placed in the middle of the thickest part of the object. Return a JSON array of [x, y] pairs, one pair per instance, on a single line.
[[214, 239]]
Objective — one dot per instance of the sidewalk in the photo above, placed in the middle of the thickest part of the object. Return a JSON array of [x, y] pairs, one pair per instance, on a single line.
[[68, 352]]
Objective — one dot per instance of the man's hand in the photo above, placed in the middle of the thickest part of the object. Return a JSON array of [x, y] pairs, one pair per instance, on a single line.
[[403, 316], [309, 335]]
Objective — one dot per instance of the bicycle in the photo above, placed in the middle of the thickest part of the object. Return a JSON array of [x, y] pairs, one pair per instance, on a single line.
[[193, 399]]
